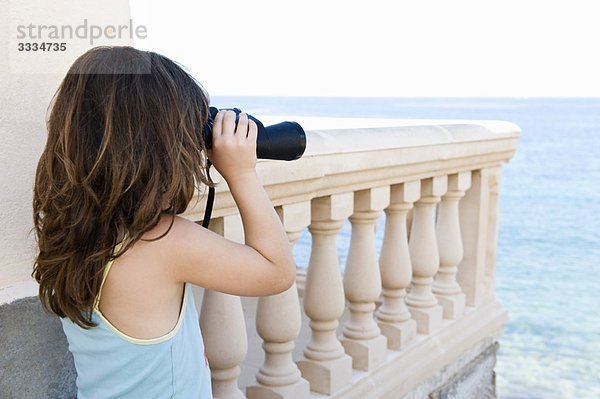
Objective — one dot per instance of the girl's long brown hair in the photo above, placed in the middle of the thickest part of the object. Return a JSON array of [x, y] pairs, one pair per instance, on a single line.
[[125, 136]]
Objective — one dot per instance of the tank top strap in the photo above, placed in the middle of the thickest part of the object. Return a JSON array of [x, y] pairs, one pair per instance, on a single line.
[[107, 269]]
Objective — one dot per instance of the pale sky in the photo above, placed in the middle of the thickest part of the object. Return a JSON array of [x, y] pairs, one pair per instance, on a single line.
[[513, 48]]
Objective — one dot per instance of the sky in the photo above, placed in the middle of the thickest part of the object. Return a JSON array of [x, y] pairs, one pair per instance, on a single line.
[[416, 48]]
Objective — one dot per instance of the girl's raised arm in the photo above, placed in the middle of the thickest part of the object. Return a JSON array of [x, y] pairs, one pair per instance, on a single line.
[[264, 265]]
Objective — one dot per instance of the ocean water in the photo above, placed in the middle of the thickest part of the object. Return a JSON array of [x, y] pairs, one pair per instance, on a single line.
[[548, 273]]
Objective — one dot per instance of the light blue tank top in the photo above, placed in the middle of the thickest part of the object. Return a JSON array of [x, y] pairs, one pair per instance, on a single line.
[[112, 364]]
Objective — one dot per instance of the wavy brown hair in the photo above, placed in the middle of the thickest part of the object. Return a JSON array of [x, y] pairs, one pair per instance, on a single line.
[[125, 137]]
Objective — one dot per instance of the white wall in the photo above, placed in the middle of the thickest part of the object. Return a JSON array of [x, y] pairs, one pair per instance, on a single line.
[[24, 97]]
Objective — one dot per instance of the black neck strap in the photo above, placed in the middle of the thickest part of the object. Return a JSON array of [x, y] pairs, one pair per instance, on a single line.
[[210, 200]]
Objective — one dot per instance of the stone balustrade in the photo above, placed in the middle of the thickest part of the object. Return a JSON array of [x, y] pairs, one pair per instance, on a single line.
[[400, 322]]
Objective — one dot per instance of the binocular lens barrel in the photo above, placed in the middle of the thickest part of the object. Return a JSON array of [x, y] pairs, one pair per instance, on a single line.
[[285, 141]]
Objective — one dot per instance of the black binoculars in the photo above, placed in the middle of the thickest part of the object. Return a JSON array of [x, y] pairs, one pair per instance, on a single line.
[[285, 141]]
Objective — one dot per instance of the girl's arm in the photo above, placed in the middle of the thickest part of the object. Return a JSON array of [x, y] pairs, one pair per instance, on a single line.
[[264, 265]]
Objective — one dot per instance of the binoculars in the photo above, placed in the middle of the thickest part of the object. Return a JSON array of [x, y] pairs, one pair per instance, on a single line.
[[285, 141]]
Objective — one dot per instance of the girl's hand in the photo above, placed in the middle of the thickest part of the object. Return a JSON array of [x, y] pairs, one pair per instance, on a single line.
[[233, 150]]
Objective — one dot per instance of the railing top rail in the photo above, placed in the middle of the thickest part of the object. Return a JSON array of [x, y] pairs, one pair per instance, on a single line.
[[349, 154], [343, 135]]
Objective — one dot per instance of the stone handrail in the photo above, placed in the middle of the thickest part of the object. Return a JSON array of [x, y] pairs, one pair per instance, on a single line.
[[426, 301]]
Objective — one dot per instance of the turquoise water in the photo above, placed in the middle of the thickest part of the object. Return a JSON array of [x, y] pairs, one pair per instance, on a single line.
[[549, 231]]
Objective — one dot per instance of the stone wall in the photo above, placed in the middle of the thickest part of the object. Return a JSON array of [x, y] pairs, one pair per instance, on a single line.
[[35, 361]]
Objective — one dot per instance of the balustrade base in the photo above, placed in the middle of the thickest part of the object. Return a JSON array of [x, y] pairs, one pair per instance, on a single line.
[[429, 320], [399, 335], [226, 390], [454, 306], [430, 362], [327, 376], [366, 354], [299, 390]]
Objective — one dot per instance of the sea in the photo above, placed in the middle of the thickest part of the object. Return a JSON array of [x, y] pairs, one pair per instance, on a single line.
[[548, 273]]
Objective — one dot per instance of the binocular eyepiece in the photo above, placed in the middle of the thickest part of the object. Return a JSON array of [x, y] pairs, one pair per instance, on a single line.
[[285, 141]]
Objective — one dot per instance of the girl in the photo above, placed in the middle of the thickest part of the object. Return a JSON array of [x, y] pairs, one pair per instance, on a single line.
[[124, 155]]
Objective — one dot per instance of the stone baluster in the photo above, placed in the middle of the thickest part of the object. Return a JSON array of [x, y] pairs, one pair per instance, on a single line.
[[491, 247], [479, 232], [393, 317], [445, 287], [223, 325], [278, 322], [425, 258], [300, 279], [362, 282], [325, 364]]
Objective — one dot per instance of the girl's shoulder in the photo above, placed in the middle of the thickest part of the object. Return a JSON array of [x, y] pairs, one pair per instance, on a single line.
[[177, 234], [156, 253], [170, 228]]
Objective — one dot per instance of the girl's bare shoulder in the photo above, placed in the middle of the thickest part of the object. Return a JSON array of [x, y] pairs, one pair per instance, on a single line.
[[176, 233], [173, 224], [177, 226], [160, 256]]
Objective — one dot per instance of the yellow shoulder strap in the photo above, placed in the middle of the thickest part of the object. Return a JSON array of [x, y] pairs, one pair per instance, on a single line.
[[106, 270]]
